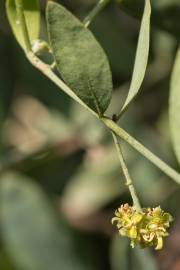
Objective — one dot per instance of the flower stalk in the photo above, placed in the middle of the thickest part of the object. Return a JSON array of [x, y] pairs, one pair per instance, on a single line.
[[127, 176]]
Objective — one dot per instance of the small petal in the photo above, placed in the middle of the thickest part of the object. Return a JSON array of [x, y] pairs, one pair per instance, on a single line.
[[159, 243], [136, 218], [123, 232], [115, 219], [132, 244], [133, 232]]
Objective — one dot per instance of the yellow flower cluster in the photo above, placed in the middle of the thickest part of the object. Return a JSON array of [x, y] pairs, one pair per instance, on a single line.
[[146, 228]]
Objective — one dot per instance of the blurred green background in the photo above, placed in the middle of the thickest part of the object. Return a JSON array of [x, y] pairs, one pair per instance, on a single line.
[[63, 176]]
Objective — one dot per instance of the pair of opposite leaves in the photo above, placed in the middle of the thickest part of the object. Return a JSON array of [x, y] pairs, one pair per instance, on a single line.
[[80, 59]]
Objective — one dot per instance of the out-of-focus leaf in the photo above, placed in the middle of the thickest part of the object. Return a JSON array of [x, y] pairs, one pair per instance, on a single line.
[[142, 259], [89, 129], [141, 56], [119, 253], [31, 231], [5, 262], [36, 81], [32, 16], [145, 175], [175, 106], [52, 170], [115, 42], [165, 14], [6, 83], [79, 57], [124, 257], [95, 185]]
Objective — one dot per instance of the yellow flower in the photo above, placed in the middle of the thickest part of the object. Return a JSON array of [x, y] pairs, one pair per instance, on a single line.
[[156, 224], [146, 228]]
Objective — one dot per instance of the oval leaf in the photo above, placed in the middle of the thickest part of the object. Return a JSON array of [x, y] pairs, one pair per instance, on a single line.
[[142, 54], [32, 233], [32, 16], [80, 59], [174, 106]]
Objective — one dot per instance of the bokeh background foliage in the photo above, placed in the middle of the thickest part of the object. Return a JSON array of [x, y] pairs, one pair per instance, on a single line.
[[62, 180]]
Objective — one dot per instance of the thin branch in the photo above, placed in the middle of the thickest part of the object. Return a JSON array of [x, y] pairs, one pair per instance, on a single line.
[[142, 149], [46, 70], [127, 176], [100, 5]]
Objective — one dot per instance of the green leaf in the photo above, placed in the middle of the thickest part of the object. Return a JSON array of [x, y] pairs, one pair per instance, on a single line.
[[80, 59], [5, 261], [124, 257], [31, 231], [142, 54], [119, 253], [143, 259], [174, 104], [32, 16]]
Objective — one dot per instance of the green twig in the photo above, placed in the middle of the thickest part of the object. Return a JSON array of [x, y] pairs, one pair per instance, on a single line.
[[22, 21], [46, 70], [127, 176], [100, 5], [142, 149]]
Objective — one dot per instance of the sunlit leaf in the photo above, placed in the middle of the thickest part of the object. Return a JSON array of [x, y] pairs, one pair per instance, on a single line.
[[142, 53], [175, 106], [32, 16], [80, 59]]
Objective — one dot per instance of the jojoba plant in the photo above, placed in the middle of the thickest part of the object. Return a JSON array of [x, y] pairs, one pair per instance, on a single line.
[[81, 69]]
